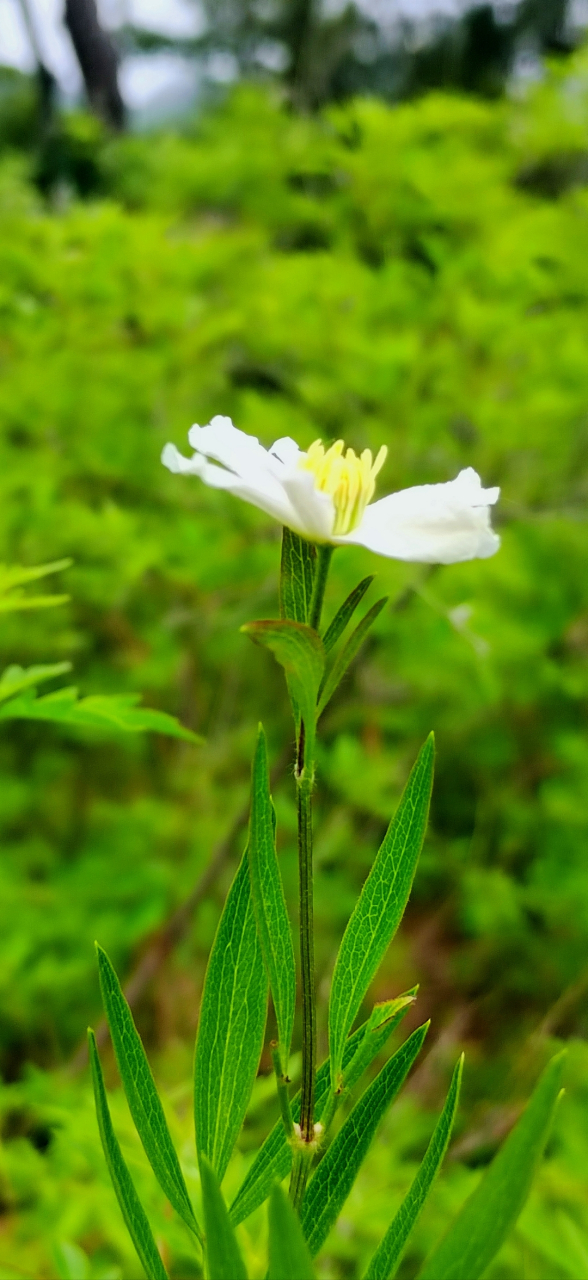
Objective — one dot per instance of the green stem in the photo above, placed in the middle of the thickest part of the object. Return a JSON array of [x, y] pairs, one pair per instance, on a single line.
[[325, 552], [283, 1095], [304, 786]]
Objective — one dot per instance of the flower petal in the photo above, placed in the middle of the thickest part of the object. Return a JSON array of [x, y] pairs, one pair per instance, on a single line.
[[176, 462], [431, 523], [246, 470], [314, 512]]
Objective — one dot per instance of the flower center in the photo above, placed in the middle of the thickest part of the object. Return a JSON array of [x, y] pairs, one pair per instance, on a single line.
[[349, 480]]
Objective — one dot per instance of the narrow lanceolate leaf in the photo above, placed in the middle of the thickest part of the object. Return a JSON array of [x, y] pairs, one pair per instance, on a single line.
[[345, 613], [299, 650], [131, 1207], [296, 577], [483, 1224], [231, 1026], [271, 915], [383, 1019], [384, 1263], [338, 1169], [380, 907], [274, 1158], [343, 660], [141, 1094], [289, 1258], [222, 1251]]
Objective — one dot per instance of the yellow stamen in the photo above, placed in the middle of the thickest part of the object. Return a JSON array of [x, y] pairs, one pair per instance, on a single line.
[[350, 480]]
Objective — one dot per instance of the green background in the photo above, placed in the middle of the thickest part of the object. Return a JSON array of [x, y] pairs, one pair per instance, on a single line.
[[413, 275]]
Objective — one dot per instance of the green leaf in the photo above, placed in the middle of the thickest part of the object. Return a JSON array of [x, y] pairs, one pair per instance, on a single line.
[[380, 907], [347, 654], [15, 679], [486, 1218], [117, 712], [296, 576], [380, 1024], [289, 1258], [299, 650], [271, 915], [12, 577], [141, 1094], [131, 1207], [231, 1027], [71, 1263], [385, 1261], [338, 1169], [345, 613], [223, 1253], [274, 1158]]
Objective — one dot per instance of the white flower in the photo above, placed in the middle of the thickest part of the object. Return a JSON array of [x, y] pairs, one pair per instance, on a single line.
[[326, 496]]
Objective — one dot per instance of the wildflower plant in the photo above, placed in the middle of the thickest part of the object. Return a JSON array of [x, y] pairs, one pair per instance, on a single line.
[[323, 499]]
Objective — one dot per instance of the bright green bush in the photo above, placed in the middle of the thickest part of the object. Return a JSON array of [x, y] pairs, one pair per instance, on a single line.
[[408, 276]]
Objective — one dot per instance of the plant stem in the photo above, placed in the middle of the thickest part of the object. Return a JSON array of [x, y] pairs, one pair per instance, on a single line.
[[283, 1095], [306, 956], [325, 553]]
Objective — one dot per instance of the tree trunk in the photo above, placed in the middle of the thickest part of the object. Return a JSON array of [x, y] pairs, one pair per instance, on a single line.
[[98, 61]]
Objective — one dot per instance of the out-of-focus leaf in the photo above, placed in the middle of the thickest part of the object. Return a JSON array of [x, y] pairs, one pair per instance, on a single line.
[[381, 904], [345, 613], [117, 712], [271, 915], [289, 1258], [486, 1218], [232, 1023], [71, 1263], [141, 1094], [13, 577], [15, 679], [274, 1158], [385, 1261], [296, 576], [331, 1183], [131, 1207], [333, 677], [222, 1251]]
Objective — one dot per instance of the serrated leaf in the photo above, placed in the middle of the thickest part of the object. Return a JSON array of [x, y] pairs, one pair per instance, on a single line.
[[16, 575], [296, 576], [345, 613], [19, 602], [380, 906], [299, 650], [231, 1027], [274, 1158], [343, 660], [13, 577], [384, 1263], [118, 712], [15, 679], [269, 905], [289, 1258], [131, 1208], [222, 1251], [482, 1225], [141, 1094], [331, 1183]]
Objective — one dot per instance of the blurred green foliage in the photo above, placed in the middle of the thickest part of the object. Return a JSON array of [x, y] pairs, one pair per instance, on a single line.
[[416, 276]]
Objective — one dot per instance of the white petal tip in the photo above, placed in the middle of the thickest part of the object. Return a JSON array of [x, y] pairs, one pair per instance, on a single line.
[[178, 464]]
